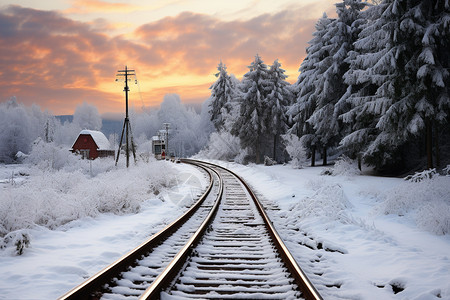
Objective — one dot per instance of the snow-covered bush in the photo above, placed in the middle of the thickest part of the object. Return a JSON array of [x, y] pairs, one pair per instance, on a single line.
[[328, 201], [268, 161], [345, 166], [17, 241], [420, 176], [295, 149], [426, 201], [52, 198], [446, 170], [222, 145]]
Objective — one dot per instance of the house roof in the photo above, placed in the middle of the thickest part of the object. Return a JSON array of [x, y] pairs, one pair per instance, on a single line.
[[99, 138]]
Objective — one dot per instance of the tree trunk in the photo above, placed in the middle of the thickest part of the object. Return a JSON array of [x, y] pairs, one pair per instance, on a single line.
[[436, 146], [429, 146], [325, 156], [275, 147], [359, 162], [313, 156], [257, 150]]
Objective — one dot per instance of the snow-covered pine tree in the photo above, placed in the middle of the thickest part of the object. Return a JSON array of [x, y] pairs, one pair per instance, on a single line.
[[278, 100], [363, 108], [432, 90], [250, 124], [304, 88], [410, 74], [221, 96], [341, 34]]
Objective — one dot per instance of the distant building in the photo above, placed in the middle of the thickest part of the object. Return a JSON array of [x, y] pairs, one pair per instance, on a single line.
[[158, 147], [92, 144]]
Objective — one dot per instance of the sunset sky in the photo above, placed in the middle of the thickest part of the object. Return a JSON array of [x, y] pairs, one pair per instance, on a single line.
[[59, 54]]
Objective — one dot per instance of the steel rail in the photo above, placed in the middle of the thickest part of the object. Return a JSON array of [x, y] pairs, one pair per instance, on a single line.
[[97, 281], [305, 285], [164, 279]]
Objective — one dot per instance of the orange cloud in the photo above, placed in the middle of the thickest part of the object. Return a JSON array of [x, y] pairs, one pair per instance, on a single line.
[[92, 6], [58, 63]]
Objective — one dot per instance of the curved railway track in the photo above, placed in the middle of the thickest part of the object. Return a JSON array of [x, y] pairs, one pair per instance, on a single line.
[[224, 247]]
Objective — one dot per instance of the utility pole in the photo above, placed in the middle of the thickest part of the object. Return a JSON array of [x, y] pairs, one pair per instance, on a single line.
[[126, 124], [167, 126]]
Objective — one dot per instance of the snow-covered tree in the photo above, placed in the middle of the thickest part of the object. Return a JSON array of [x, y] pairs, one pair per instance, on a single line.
[[362, 113], [304, 88], [222, 93], [340, 36], [433, 88], [250, 125], [87, 117], [295, 149], [20, 126], [399, 78], [278, 100], [183, 125]]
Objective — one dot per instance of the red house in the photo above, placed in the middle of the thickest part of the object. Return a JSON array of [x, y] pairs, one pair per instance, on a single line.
[[92, 144]]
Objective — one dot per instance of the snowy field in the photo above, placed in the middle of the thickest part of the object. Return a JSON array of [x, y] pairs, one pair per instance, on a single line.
[[357, 237]]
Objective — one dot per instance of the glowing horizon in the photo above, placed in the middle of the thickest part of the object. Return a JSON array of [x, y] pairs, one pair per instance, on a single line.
[[61, 55]]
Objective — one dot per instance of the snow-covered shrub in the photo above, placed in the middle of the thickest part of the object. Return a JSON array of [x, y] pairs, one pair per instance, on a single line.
[[426, 201], [17, 241], [327, 171], [434, 217], [446, 170], [49, 155], [345, 166], [295, 149], [420, 176], [328, 201], [222, 145], [268, 161], [242, 156], [52, 198]]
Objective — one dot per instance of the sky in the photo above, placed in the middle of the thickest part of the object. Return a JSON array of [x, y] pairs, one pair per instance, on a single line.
[[59, 54]]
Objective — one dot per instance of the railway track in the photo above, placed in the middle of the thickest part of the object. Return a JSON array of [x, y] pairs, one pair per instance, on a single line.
[[223, 247]]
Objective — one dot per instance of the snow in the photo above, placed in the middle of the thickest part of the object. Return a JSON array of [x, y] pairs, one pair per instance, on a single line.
[[58, 260], [99, 138], [342, 229], [334, 227]]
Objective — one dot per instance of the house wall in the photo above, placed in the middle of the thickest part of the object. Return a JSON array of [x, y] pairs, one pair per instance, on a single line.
[[86, 142]]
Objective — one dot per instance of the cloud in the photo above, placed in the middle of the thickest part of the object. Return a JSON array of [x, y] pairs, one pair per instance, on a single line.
[[58, 62], [196, 42], [92, 6]]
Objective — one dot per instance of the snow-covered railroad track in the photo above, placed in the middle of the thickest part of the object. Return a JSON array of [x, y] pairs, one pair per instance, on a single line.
[[234, 253], [129, 276]]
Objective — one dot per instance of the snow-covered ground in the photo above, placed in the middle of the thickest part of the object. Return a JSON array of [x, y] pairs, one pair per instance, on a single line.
[[357, 237], [58, 260], [340, 232]]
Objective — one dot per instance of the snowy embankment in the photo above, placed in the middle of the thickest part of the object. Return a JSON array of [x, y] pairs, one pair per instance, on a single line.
[[77, 224], [361, 237], [357, 237]]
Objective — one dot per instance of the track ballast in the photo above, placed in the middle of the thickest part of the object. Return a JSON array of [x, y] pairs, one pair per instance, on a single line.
[[227, 249]]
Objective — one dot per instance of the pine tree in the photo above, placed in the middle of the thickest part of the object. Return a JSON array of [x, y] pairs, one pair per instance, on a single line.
[[304, 88], [222, 93], [364, 109], [407, 74], [250, 125], [432, 90], [278, 100], [340, 36]]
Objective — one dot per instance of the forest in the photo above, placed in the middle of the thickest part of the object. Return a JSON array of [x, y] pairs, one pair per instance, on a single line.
[[374, 86]]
